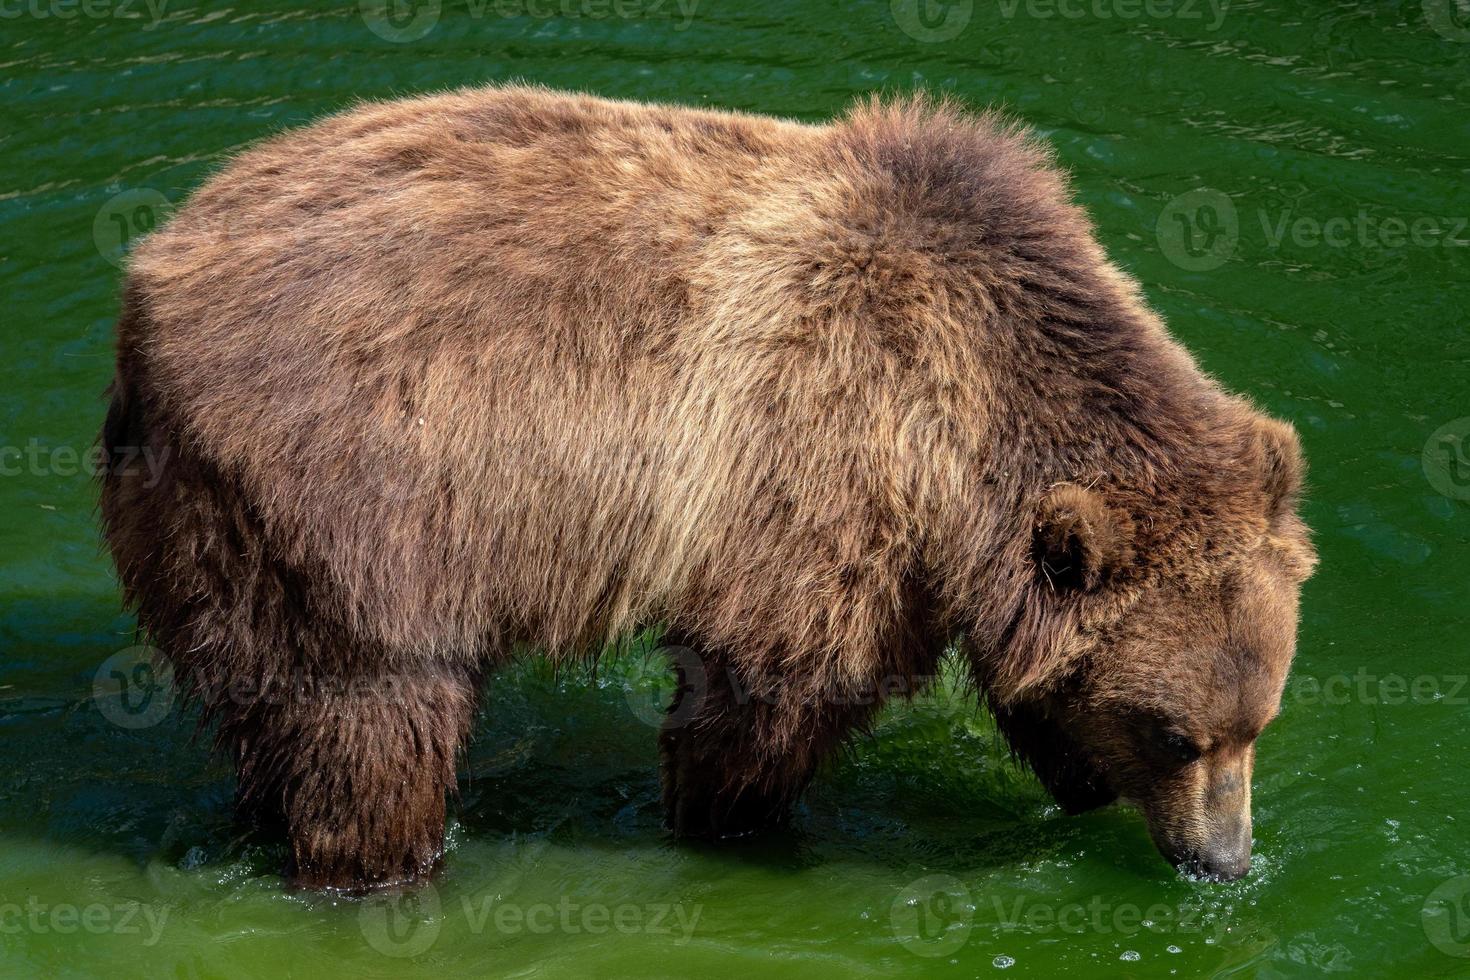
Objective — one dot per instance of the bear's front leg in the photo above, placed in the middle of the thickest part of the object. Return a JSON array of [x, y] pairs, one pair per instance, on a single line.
[[736, 752], [357, 768]]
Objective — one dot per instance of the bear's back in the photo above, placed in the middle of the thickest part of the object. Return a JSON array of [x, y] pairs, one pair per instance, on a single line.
[[508, 356]]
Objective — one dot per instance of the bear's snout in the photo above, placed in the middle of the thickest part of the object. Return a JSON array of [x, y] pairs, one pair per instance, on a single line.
[[1230, 861], [1225, 855], [1201, 822]]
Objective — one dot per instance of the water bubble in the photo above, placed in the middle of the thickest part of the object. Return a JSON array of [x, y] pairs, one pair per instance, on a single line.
[[1130, 956], [1003, 962]]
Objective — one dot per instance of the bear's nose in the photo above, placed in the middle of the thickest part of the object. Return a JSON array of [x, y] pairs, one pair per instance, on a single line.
[[1225, 864]]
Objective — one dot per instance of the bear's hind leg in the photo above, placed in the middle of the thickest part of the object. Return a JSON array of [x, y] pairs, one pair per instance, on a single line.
[[351, 756], [357, 769]]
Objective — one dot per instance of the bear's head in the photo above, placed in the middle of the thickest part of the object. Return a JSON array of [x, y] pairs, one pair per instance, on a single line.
[[1155, 644]]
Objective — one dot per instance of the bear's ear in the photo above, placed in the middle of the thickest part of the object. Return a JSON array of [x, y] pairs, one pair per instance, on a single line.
[[1282, 452], [1079, 541]]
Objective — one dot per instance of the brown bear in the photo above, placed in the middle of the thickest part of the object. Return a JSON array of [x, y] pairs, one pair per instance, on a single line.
[[447, 378]]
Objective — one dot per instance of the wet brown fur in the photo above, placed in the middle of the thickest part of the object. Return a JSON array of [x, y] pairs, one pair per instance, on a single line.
[[505, 367]]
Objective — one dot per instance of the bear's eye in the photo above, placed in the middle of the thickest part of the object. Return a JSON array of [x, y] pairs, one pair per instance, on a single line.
[[1180, 747]]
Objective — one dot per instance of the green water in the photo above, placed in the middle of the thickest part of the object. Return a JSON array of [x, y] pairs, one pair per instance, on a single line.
[[1319, 264]]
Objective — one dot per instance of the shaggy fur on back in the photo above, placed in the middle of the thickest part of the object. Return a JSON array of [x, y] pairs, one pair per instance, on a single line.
[[447, 376]]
